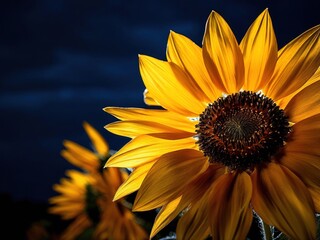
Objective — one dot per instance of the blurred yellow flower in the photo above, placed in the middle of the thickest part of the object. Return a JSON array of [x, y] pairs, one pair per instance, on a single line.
[[88, 197], [239, 131], [76, 192]]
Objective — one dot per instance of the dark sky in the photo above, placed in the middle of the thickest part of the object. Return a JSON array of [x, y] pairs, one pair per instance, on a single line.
[[62, 61]]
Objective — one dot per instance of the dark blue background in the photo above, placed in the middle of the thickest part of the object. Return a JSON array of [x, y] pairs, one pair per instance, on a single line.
[[63, 61]]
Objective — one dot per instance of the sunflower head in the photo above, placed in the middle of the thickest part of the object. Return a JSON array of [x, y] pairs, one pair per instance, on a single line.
[[242, 130], [236, 131]]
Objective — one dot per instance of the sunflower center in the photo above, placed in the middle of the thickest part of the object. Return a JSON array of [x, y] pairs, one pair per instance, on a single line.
[[242, 130]]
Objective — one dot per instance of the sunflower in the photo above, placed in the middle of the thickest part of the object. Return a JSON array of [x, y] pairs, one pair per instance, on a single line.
[[76, 195], [236, 131], [87, 197]]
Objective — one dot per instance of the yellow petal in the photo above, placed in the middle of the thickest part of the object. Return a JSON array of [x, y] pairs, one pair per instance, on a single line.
[[200, 184], [148, 99], [282, 103], [222, 55], [146, 148], [79, 161], [171, 86], [307, 167], [135, 128], [134, 181], [167, 213], [164, 117], [260, 52], [187, 55], [167, 177], [297, 62], [99, 143], [281, 199], [78, 152], [304, 104], [305, 137], [230, 214], [194, 224]]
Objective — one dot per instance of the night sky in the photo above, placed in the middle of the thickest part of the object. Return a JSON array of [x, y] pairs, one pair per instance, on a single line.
[[63, 61]]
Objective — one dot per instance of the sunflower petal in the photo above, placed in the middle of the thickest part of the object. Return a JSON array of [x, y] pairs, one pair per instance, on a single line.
[[260, 52], [304, 104], [167, 213], [194, 224], [134, 181], [282, 103], [173, 171], [297, 62], [222, 55], [170, 86], [164, 117], [281, 199], [148, 99], [229, 206], [144, 148], [78, 160], [305, 136], [307, 167], [187, 55], [135, 128], [99, 143], [79, 155]]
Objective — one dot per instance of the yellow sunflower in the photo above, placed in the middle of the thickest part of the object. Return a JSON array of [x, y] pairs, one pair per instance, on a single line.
[[76, 197], [239, 132], [88, 197]]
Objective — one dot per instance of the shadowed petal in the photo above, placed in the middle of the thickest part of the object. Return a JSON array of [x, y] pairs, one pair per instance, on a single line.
[[222, 55], [260, 52], [194, 224], [305, 136], [307, 167], [281, 199], [230, 214], [167, 178], [167, 213], [304, 104]]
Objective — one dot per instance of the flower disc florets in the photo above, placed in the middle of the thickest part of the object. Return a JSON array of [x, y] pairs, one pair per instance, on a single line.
[[242, 130]]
